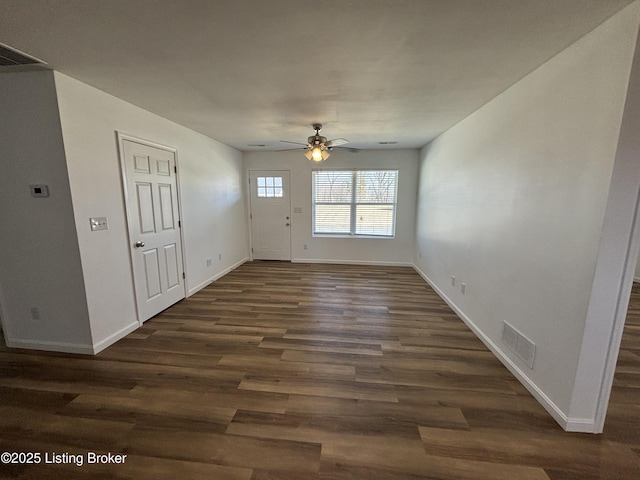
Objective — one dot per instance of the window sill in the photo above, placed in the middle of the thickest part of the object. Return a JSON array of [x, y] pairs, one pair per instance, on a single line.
[[342, 235]]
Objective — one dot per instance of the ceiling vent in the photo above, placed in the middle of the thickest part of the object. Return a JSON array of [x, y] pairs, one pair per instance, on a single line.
[[10, 57]]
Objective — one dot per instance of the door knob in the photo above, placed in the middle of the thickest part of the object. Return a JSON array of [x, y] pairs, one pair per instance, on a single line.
[[287, 224], [139, 244]]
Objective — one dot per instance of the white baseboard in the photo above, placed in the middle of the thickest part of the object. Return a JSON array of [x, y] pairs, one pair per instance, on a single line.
[[352, 262], [51, 346], [73, 347], [218, 275], [567, 423], [581, 425], [111, 339]]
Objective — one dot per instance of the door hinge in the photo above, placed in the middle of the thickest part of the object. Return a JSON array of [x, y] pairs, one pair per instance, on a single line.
[[179, 223], [175, 169], [183, 276], [251, 249], [250, 216]]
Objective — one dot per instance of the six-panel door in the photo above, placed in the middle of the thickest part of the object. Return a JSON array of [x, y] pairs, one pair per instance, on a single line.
[[153, 227]]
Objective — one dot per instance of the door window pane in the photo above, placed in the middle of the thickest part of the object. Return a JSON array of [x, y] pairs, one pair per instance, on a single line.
[[269, 187]]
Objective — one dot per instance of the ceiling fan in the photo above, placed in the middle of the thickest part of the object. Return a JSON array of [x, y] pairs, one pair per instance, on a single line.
[[318, 147]]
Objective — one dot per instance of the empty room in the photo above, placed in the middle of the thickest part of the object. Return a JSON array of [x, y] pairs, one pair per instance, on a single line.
[[368, 239]]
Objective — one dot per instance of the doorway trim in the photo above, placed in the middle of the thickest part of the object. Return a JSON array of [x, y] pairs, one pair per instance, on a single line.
[[614, 272], [120, 138], [622, 305]]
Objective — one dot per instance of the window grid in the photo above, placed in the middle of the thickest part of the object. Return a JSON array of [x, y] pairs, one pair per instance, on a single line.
[[355, 202], [269, 187]]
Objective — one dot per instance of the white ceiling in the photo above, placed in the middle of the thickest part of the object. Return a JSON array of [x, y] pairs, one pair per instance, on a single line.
[[259, 71]]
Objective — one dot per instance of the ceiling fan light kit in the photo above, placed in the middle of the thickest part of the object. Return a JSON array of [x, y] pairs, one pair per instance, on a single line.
[[317, 154]]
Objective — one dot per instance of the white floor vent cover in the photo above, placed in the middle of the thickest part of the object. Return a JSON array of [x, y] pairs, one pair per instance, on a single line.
[[521, 345]]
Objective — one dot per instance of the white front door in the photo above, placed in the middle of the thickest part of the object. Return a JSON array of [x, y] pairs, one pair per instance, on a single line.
[[154, 232], [270, 215]]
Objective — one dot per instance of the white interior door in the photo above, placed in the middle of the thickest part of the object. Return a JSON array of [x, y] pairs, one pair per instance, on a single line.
[[154, 232], [270, 214]]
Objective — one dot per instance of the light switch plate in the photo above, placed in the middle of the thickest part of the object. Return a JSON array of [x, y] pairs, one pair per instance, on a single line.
[[98, 223]]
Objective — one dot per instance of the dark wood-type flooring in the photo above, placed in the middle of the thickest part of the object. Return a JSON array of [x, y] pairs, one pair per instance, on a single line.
[[295, 371]]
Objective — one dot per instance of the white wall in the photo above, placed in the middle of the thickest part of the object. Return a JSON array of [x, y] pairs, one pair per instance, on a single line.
[[512, 202], [212, 202], [39, 256], [398, 250]]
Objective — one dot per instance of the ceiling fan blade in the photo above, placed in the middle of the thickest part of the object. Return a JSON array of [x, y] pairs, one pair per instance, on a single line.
[[347, 149], [295, 143], [290, 149], [335, 142]]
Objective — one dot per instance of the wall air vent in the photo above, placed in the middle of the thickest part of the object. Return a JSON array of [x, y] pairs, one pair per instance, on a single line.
[[10, 57], [521, 345]]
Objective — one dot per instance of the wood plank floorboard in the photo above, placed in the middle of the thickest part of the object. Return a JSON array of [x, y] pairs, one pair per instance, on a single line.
[[281, 371]]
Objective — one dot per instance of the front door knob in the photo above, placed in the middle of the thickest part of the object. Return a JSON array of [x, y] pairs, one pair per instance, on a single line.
[[139, 244]]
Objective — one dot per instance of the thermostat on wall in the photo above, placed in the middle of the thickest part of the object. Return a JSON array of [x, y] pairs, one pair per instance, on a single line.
[[39, 190]]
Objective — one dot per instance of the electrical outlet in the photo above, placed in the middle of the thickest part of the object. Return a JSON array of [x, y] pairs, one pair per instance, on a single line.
[[453, 280], [209, 262], [35, 313], [219, 256], [304, 246], [463, 288]]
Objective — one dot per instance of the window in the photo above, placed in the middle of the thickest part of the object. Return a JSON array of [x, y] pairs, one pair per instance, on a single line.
[[269, 187], [355, 202]]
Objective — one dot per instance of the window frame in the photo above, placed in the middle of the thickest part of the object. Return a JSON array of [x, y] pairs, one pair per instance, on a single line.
[[353, 204]]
